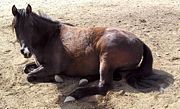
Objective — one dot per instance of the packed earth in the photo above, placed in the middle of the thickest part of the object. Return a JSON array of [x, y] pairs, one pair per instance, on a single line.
[[156, 22]]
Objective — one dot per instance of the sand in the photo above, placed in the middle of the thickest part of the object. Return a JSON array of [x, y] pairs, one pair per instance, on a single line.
[[156, 22]]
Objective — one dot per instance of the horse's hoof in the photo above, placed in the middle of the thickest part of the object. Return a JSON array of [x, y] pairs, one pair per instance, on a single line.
[[83, 82], [69, 99], [58, 79], [31, 78]]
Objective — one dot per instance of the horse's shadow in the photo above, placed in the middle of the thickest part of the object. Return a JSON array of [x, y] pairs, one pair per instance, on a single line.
[[119, 87], [164, 80], [69, 85]]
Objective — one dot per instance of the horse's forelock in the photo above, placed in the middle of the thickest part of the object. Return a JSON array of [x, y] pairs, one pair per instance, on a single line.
[[21, 12]]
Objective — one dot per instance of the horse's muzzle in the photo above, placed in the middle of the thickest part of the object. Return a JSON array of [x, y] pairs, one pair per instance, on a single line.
[[25, 51]]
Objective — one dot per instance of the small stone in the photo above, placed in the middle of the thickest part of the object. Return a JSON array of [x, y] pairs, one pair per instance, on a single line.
[[166, 106], [7, 51], [142, 20], [158, 55], [167, 53], [175, 58]]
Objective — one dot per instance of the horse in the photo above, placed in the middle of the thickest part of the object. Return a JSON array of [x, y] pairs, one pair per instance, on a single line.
[[96, 53]]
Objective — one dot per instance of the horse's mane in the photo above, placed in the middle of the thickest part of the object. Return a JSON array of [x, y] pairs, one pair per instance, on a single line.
[[40, 15], [43, 17]]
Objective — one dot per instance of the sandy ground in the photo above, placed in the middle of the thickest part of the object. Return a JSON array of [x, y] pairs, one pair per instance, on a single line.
[[156, 22]]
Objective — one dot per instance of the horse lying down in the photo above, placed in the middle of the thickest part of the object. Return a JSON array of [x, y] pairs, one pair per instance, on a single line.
[[99, 53]]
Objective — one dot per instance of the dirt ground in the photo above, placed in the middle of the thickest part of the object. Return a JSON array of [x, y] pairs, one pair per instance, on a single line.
[[156, 22]]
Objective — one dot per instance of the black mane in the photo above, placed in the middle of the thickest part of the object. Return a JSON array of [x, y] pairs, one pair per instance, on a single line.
[[40, 17]]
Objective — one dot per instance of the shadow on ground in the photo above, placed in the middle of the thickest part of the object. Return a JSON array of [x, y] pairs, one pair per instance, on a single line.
[[164, 80]]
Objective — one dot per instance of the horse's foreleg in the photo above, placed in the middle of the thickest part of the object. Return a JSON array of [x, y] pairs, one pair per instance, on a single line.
[[40, 74], [29, 67], [106, 77], [46, 79]]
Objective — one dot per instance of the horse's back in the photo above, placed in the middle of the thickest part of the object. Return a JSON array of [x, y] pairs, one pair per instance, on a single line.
[[88, 45]]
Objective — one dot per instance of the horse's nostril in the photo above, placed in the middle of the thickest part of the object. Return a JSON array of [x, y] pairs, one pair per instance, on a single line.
[[22, 51]]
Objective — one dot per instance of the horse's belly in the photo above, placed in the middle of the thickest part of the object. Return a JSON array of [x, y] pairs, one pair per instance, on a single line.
[[84, 66]]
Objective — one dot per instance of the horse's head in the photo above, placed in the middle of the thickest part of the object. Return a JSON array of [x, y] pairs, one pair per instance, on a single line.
[[22, 23]]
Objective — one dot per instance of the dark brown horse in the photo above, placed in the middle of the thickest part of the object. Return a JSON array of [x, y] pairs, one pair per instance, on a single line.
[[91, 53]]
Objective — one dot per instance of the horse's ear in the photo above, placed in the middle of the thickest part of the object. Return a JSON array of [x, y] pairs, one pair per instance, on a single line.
[[28, 9], [14, 10]]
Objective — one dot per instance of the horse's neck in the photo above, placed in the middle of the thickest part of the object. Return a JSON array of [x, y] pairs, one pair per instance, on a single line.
[[53, 55], [44, 31], [51, 50]]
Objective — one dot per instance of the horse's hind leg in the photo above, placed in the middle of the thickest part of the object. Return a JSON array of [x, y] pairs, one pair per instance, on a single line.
[[117, 76], [105, 81], [29, 67]]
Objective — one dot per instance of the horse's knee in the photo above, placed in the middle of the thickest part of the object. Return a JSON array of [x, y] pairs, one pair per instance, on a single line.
[[31, 78], [29, 67]]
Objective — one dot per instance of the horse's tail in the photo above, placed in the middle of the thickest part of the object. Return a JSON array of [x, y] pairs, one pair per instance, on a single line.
[[144, 77]]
